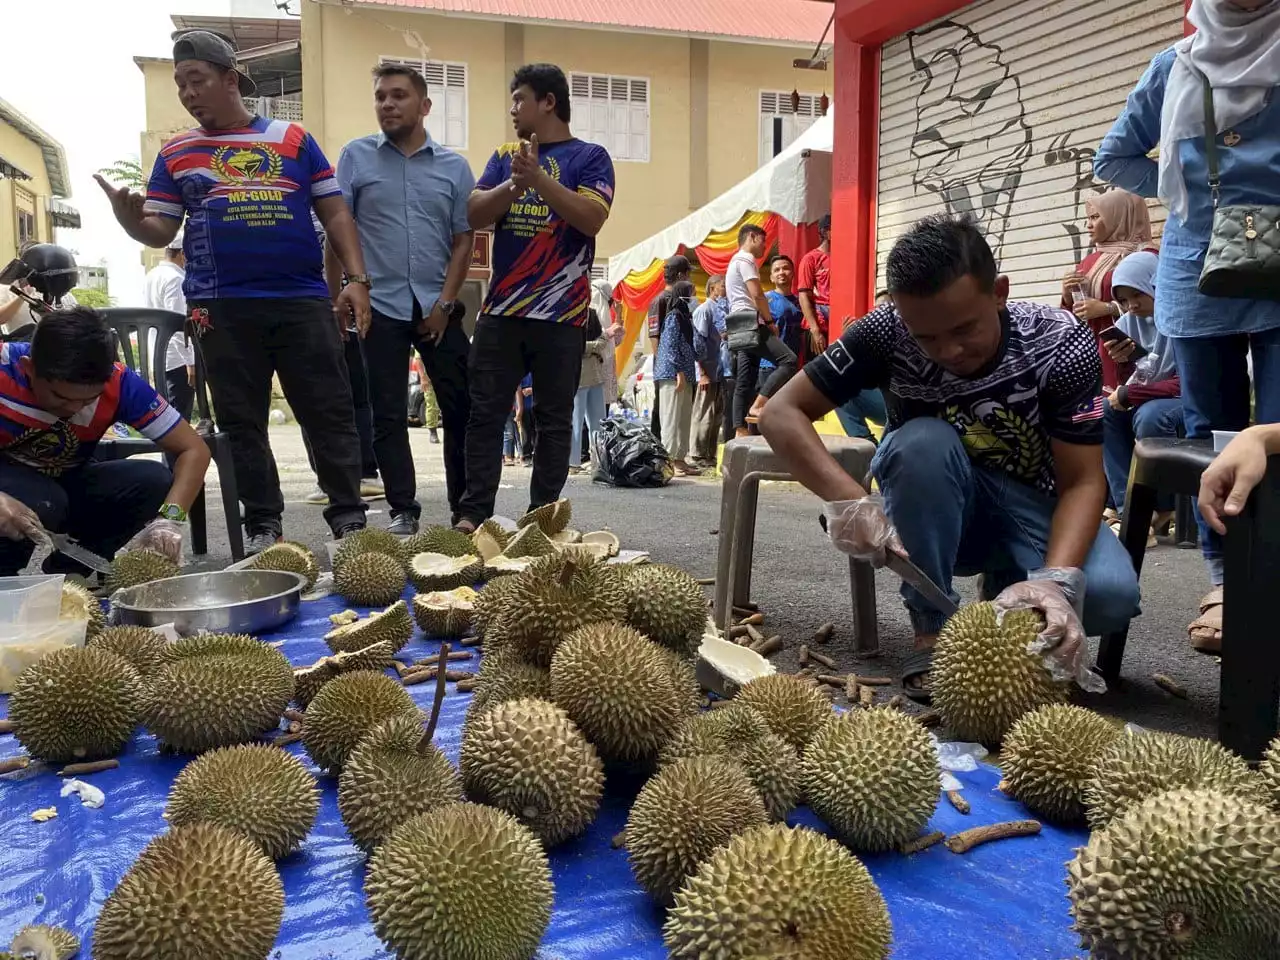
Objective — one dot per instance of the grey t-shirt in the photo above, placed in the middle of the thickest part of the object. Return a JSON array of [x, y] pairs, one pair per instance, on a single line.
[[741, 269]]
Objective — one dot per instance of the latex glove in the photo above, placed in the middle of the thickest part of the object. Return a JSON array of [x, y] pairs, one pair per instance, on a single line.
[[162, 535], [862, 529], [1057, 594]]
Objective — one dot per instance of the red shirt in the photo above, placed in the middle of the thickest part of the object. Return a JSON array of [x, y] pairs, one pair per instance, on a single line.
[[814, 275]]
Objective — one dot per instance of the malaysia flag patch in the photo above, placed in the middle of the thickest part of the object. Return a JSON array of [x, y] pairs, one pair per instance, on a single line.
[[1089, 411]]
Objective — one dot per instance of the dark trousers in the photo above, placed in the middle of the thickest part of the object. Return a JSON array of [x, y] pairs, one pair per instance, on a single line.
[[102, 505], [182, 395], [503, 350], [358, 374], [728, 386], [246, 342], [746, 368], [528, 430], [388, 346]]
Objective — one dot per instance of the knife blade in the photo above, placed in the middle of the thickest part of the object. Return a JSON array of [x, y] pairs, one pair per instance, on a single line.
[[65, 545], [915, 577]]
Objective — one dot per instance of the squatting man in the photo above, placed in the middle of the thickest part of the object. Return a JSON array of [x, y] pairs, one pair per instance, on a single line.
[[992, 461]]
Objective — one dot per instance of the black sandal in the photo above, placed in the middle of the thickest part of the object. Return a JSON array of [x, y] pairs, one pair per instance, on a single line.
[[918, 664]]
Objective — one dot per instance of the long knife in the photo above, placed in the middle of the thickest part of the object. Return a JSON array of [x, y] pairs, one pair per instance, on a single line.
[[915, 577], [68, 547]]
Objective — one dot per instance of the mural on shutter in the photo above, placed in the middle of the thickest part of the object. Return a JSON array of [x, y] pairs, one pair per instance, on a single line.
[[996, 112]]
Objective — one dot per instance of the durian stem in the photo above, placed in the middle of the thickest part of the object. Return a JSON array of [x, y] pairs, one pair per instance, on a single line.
[[424, 745], [17, 763], [823, 633], [922, 843], [83, 769], [804, 655], [6, 727], [292, 714], [470, 642], [465, 686], [767, 648], [898, 702], [966, 840], [866, 696], [930, 718], [566, 574], [619, 839], [752, 621], [1169, 685], [755, 635], [285, 739], [706, 581], [958, 801], [823, 659], [873, 681]]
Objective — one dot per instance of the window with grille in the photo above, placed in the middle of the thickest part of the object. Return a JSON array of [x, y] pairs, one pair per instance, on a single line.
[[447, 88], [780, 125], [613, 112], [26, 203], [600, 269]]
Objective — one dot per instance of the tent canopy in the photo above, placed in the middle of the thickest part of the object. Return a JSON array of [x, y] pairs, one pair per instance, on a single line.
[[795, 185]]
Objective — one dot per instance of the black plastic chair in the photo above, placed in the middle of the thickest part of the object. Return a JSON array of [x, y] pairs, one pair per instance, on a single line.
[[131, 323]]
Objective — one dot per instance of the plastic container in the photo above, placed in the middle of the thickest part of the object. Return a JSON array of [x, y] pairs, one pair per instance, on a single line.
[[1222, 437], [18, 653], [27, 602]]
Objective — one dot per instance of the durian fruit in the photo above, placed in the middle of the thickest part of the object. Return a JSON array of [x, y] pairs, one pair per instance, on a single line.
[[1139, 765], [437, 539], [217, 690], [1181, 875], [289, 558], [431, 572], [687, 810], [554, 597], [504, 566], [371, 579], [619, 689], [684, 675], [462, 882], [368, 540], [529, 542], [1048, 758], [566, 537], [603, 541], [491, 604], [43, 942], [486, 543], [143, 647], [79, 604], [779, 891], [738, 733], [793, 709], [376, 657], [873, 776], [526, 757], [343, 618], [307, 681], [507, 678], [77, 703], [1270, 770], [138, 566], [983, 679], [550, 518], [393, 775], [257, 790], [446, 614], [197, 891], [668, 606], [392, 626], [345, 709]]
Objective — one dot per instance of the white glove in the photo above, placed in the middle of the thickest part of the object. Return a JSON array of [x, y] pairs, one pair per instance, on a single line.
[[861, 529], [1057, 594], [162, 535]]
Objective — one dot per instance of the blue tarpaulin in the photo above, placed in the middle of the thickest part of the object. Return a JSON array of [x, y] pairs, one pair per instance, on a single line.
[[1004, 901]]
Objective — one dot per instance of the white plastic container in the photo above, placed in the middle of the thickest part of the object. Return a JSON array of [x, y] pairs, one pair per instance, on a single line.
[[1222, 437], [27, 602], [18, 653]]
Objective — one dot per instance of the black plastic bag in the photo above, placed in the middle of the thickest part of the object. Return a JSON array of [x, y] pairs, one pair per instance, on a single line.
[[625, 454]]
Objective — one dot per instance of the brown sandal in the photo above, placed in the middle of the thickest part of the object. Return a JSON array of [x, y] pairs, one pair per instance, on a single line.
[[1206, 630]]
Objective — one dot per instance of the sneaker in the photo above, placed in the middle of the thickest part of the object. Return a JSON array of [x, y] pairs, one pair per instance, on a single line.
[[433, 435], [403, 524], [346, 529], [318, 497], [371, 488], [260, 540]]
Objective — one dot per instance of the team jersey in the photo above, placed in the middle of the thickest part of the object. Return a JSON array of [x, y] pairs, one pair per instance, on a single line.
[[35, 438], [541, 265], [247, 196], [1045, 384]]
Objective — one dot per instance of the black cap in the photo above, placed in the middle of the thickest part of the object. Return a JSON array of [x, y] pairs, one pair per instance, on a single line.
[[675, 267], [211, 48], [824, 222]]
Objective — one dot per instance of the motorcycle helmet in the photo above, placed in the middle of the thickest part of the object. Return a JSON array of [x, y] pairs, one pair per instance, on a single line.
[[53, 270]]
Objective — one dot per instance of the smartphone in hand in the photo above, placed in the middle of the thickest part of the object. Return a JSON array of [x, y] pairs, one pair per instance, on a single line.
[[1116, 335]]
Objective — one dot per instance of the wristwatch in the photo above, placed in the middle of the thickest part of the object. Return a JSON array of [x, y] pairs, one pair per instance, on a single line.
[[360, 278], [452, 309], [171, 511]]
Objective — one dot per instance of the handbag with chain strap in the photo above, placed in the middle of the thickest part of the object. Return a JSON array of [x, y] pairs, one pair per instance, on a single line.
[[1243, 260]]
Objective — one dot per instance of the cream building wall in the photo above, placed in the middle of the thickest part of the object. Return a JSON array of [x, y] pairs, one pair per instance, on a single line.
[[165, 117], [32, 195]]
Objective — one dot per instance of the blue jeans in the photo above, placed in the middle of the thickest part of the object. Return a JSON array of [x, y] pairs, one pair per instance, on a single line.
[[588, 407], [958, 519], [868, 405], [1215, 396], [1123, 428], [510, 437]]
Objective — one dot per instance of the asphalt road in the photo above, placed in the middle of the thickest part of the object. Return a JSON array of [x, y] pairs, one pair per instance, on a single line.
[[799, 580]]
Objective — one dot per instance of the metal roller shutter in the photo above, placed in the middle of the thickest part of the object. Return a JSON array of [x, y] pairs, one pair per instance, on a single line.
[[998, 109]]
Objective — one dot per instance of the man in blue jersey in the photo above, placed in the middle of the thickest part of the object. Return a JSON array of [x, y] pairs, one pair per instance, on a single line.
[[255, 282], [58, 395], [547, 197]]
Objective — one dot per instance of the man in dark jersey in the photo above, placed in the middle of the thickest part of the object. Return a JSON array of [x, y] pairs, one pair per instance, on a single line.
[[993, 462], [547, 196]]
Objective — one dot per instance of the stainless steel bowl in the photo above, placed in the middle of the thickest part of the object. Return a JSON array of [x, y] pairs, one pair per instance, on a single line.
[[227, 601]]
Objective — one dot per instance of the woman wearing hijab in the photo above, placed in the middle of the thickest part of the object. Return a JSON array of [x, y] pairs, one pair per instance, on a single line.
[[1148, 404], [1118, 224], [1236, 48], [676, 375]]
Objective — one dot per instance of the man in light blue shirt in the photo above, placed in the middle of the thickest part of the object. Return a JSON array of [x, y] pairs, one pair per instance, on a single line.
[[408, 195]]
